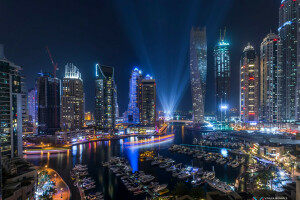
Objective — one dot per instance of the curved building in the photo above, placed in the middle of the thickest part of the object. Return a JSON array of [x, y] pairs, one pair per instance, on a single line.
[[198, 72]]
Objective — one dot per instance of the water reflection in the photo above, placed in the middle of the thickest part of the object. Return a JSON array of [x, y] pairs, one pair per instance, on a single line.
[[94, 153]]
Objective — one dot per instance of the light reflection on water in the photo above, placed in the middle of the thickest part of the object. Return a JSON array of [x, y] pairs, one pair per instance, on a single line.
[[94, 153]]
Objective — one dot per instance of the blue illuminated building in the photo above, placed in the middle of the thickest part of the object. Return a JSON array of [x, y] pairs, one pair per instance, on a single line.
[[132, 113], [198, 72], [223, 79]]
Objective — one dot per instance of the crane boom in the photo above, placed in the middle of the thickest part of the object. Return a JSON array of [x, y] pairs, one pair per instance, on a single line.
[[52, 61]]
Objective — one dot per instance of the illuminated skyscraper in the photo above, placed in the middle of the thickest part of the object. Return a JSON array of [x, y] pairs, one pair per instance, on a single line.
[[198, 71], [288, 22], [132, 114], [72, 99], [223, 79], [249, 94], [10, 109], [48, 100], [270, 79], [32, 105], [147, 101], [105, 114]]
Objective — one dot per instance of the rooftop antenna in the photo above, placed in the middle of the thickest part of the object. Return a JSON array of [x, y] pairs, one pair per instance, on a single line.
[[220, 34], [224, 33]]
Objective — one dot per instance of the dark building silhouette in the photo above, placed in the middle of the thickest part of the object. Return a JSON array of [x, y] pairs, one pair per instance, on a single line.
[[48, 94]]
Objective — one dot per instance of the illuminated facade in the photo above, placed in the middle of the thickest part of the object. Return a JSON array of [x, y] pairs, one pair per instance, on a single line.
[[249, 91], [147, 101], [270, 79], [223, 82], [10, 109], [198, 72], [48, 100], [288, 22], [132, 115], [105, 101], [32, 105], [72, 99]]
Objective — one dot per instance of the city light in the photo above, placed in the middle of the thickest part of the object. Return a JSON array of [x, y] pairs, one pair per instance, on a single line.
[[224, 107]]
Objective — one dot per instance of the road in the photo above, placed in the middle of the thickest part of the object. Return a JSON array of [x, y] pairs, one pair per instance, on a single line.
[[63, 191]]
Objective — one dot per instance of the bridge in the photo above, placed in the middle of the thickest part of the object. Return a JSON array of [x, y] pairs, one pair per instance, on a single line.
[[180, 121]]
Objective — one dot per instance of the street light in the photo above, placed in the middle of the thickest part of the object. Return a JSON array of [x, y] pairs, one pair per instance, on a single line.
[[223, 107], [61, 189]]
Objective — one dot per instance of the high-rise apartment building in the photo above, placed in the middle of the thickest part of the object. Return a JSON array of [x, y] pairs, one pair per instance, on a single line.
[[11, 108], [249, 91], [105, 114], [132, 115], [288, 23], [270, 79], [198, 72], [32, 105], [72, 99], [223, 79], [48, 101], [147, 101]]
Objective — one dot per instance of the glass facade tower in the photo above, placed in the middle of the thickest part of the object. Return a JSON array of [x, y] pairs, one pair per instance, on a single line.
[[105, 101], [198, 72], [288, 35], [10, 109], [48, 94], [223, 79], [270, 79], [147, 101], [132, 114]]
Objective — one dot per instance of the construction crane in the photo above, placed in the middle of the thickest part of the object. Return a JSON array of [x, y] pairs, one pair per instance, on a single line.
[[55, 93], [52, 61]]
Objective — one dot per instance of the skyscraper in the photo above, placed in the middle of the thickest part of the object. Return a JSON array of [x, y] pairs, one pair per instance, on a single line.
[[133, 114], [105, 114], [288, 22], [25, 116], [32, 105], [48, 94], [249, 91], [72, 99], [147, 101], [270, 79], [198, 72], [11, 108], [223, 79]]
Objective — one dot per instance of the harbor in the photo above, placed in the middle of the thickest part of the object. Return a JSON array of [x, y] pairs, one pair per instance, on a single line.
[[132, 169]]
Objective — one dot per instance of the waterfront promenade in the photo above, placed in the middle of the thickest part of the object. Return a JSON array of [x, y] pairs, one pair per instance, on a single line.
[[63, 191]]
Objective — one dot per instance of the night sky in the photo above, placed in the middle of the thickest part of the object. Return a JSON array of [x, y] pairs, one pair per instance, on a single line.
[[151, 34]]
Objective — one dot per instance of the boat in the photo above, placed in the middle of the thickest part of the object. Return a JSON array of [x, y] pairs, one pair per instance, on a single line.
[[235, 164], [218, 185], [184, 175], [164, 165], [160, 187]]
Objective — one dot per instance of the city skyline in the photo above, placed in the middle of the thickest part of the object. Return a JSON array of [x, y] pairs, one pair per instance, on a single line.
[[215, 81], [128, 58]]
